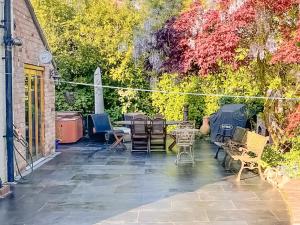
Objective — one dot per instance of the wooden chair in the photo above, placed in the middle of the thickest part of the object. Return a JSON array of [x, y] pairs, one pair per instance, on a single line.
[[158, 134], [139, 133], [250, 154], [130, 117]]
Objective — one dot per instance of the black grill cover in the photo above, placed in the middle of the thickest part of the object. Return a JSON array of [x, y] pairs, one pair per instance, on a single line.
[[224, 121]]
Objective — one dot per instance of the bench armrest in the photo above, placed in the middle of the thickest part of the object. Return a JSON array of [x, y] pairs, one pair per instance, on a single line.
[[243, 150], [248, 152]]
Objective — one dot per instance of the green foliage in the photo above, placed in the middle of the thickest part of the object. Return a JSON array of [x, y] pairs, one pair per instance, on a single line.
[[171, 105], [86, 34], [165, 9], [271, 157], [229, 82], [290, 161], [239, 82]]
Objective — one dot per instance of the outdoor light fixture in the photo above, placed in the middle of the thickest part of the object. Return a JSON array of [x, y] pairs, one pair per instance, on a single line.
[[54, 75], [17, 42], [14, 41]]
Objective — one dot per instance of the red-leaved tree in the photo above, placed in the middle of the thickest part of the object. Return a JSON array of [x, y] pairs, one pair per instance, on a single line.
[[293, 126], [289, 51], [201, 37]]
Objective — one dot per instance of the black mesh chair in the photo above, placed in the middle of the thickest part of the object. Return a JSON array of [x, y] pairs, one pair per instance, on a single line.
[[139, 133], [100, 128], [158, 134]]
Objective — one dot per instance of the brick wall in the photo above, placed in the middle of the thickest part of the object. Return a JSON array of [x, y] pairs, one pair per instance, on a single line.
[[28, 53]]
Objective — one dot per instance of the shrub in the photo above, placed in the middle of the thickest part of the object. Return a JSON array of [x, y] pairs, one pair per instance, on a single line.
[[171, 105], [290, 161]]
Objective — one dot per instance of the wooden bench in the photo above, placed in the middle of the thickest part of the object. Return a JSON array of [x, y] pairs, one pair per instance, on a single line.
[[250, 154]]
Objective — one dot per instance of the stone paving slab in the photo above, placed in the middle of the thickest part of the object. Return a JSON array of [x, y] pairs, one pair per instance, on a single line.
[[89, 185], [291, 191]]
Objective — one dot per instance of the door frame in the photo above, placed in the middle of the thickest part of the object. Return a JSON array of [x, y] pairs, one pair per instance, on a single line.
[[31, 71]]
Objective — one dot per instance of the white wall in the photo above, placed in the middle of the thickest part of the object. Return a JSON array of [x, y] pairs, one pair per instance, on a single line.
[[2, 104]]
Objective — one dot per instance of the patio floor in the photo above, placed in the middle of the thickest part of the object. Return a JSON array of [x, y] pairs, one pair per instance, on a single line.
[[88, 185]]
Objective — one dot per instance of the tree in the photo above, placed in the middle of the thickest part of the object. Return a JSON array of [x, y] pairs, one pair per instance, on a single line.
[[293, 126], [86, 34], [198, 38], [238, 33]]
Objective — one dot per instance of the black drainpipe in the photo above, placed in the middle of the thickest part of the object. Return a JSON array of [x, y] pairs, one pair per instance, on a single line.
[[8, 41]]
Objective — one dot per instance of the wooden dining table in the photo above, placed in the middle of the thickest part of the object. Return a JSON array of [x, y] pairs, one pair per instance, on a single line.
[[129, 122], [168, 123]]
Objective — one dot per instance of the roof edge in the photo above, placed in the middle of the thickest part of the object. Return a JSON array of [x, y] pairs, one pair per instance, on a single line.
[[39, 28]]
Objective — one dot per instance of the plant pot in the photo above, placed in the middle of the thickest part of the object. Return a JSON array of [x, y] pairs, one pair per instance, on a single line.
[[205, 128]]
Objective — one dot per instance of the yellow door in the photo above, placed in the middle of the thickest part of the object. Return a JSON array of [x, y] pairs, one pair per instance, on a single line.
[[34, 109]]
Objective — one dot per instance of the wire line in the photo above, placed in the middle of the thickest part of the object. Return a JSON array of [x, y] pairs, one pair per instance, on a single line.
[[178, 93]]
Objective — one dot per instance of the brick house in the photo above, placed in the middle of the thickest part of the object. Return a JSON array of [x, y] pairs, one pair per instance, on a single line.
[[33, 89]]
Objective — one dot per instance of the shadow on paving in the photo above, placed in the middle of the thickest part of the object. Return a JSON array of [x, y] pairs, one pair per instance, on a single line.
[[87, 185]]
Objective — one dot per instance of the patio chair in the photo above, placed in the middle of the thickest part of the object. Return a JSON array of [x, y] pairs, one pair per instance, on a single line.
[[140, 134], [181, 125], [130, 116], [158, 134], [185, 139], [250, 154], [236, 139], [100, 128]]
